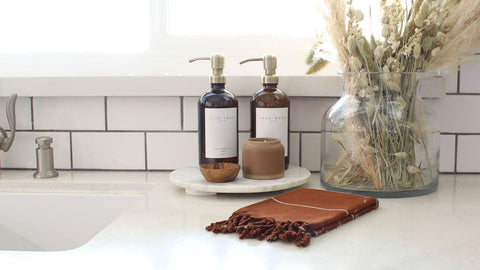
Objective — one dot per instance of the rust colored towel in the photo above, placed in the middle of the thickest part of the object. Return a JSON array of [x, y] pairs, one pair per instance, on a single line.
[[295, 216]]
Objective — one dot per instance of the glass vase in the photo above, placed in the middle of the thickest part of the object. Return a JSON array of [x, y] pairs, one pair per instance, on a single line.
[[379, 139]]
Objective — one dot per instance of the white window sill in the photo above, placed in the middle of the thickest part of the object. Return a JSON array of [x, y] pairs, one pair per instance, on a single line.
[[302, 86], [161, 85]]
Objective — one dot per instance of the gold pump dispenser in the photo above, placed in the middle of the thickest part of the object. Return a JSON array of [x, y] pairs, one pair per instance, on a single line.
[[270, 66], [218, 64]]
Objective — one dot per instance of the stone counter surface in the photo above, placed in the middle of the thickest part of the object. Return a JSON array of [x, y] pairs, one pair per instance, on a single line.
[[166, 231]]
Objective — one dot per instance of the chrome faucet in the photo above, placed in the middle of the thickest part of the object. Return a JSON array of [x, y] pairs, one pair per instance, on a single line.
[[5, 141]]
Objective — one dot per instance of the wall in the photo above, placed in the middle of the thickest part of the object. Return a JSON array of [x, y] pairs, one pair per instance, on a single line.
[[159, 133]]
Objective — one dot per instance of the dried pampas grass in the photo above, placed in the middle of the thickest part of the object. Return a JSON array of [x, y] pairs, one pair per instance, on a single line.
[[335, 14], [426, 35], [464, 36]]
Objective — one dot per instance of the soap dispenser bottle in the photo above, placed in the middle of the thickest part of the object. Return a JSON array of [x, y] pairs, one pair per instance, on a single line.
[[270, 107], [217, 118]]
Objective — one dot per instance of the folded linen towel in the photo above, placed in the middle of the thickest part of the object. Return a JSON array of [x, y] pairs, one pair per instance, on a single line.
[[295, 216]]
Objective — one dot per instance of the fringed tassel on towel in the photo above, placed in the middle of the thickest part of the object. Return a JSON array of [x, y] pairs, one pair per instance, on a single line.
[[262, 228]]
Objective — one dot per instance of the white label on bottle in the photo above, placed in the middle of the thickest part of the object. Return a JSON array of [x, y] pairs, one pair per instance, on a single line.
[[221, 132], [273, 123]]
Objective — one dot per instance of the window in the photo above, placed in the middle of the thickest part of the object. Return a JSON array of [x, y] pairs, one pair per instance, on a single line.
[[245, 18], [48, 26], [151, 37]]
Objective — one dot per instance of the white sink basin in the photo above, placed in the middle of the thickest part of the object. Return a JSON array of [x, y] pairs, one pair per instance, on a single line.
[[53, 215]]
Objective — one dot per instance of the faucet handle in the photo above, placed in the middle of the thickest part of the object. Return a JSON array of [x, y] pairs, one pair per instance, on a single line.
[[5, 141], [45, 168]]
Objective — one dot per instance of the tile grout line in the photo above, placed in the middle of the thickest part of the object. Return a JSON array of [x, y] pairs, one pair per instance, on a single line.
[[300, 149], [306, 131], [145, 150], [182, 121], [118, 131], [31, 114], [105, 102], [458, 79], [71, 150], [455, 154], [463, 94]]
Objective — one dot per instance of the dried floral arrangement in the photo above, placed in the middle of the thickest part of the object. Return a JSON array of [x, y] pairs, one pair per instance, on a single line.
[[416, 36], [426, 35]]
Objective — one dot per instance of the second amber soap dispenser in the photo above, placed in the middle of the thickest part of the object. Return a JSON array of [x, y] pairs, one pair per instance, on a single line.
[[270, 107]]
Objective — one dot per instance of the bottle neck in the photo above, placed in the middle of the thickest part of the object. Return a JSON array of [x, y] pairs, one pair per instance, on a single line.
[[218, 87], [270, 86]]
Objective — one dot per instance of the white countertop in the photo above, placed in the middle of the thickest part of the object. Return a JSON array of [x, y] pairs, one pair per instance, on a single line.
[[166, 231]]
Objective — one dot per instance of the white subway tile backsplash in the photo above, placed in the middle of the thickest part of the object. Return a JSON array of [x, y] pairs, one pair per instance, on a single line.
[[469, 79], [457, 113], [69, 113], [168, 151], [143, 113], [451, 79], [22, 154], [105, 129], [243, 113], [242, 139], [447, 153], [467, 153], [190, 113], [23, 113], [433, 86], [306, 113], [108, 150], [311, 151], [295, 149]]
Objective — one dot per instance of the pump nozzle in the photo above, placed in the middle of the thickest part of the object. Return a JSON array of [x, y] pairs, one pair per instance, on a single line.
[[217, 63], [270, 66]]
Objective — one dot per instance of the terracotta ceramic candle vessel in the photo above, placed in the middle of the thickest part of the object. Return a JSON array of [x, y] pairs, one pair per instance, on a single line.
[[263, 158]]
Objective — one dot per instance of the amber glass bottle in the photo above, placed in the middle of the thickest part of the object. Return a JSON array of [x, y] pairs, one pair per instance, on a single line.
[[217, 126], [270, 108], [270, 114], [217, 119]]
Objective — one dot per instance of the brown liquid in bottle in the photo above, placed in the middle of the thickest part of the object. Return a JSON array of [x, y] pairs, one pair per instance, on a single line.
[[217, 97], [270, 97]]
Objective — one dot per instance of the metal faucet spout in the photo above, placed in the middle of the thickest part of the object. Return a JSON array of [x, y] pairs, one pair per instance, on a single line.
[[5, 141]]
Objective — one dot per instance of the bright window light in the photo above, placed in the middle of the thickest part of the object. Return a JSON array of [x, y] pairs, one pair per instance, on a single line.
[[247, 17], [74, 26]]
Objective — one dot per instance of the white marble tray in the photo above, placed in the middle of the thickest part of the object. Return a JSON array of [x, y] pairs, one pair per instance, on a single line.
[[195, 184]]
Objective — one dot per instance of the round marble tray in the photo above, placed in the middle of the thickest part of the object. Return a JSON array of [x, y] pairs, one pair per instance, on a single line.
[[195, 184]]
